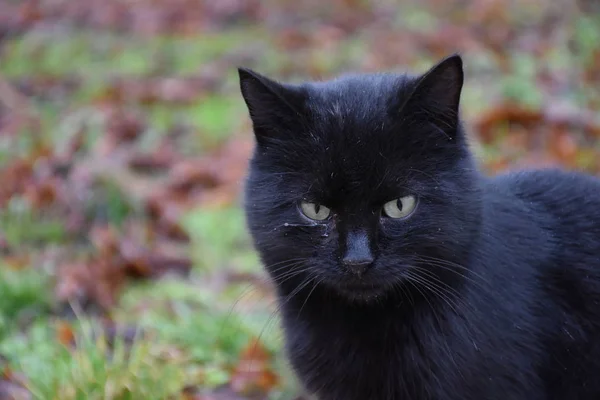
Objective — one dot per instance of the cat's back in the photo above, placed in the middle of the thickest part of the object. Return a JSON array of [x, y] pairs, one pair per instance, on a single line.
[[564, 209], [570, 199], [560, 208]]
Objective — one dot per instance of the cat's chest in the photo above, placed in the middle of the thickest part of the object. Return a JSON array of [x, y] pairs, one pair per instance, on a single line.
[[384, 360]]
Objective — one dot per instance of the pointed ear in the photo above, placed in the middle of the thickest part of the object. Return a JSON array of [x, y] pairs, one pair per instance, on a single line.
[[436, 96], [275, 109]]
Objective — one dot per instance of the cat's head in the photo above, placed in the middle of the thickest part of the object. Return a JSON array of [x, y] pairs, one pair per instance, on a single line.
[[361, 184]]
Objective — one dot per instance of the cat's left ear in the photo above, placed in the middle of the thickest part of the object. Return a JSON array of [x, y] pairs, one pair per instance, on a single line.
[[436, 96]]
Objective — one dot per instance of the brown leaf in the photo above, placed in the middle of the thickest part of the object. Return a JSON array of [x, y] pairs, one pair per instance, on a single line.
[[105, 240], [17, 175], [30, 12], [122, 128], [497, 165], [43, 193], [158, 161], [143, 262], [189, 175], [505, 114], [118, 257], [172, 90], [563, 146], [166, 210], [65, 334], [93, 282], [17, 262], [253, 374]]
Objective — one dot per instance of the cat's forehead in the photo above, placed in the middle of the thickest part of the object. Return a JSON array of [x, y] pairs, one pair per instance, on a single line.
[[354, 110], [362, 169], [355, 97], [352, 117]]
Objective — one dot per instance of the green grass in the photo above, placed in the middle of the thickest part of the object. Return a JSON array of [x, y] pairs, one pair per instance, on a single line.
[[212, 117], [586, 36], [93, 369], [26, 294], [110, 203], [94, 58], [210, 328], [22, 225], [188, 316], [104, 54], [192, 335], [521, 86], [219, 238]]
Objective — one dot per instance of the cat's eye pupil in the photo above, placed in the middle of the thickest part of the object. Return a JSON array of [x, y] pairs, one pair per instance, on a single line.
[[399, 204], [317, 208]]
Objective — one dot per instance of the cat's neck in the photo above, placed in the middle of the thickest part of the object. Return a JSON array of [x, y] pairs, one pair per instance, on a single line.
[[321, 308]]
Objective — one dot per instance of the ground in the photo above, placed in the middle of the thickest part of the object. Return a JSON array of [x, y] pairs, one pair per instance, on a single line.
[[125, 268]]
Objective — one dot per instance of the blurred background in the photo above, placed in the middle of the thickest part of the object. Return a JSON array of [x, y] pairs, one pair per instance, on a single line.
[[125, 268]]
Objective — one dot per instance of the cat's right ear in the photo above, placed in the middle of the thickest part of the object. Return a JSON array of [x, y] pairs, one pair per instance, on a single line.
[[275, 109]]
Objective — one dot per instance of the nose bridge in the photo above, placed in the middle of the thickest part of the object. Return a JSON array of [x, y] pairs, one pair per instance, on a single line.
[[356, 232], [357, 255]]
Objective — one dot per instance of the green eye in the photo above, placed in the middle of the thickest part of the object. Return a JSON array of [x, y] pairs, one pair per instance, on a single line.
[[315, 211], [400, 208]]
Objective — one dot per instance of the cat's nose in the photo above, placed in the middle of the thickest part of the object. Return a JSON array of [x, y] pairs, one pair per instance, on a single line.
[[357, 266], [358, 257]]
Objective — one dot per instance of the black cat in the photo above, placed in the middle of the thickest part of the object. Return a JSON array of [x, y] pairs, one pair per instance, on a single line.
[[404, 273]]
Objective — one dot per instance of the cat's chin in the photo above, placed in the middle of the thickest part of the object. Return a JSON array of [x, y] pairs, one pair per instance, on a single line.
[[362, 292]]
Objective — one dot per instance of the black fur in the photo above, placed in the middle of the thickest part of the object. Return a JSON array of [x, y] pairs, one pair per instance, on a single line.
[[489, 290]]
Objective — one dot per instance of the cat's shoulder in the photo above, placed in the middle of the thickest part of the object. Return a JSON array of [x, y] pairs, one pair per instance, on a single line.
[[552, 182], [568, 195]]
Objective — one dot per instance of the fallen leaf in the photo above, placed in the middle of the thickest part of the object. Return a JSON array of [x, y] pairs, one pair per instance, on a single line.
[[253, 373], [65, 334]]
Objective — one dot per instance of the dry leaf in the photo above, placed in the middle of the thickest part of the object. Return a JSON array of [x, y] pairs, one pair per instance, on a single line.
[[253, 374], [65, 334]]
